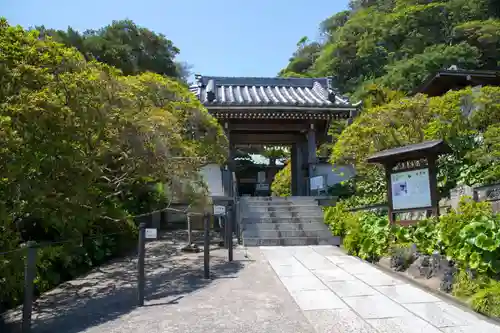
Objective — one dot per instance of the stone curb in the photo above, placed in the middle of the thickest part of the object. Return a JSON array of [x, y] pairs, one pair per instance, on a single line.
[[438, 293]]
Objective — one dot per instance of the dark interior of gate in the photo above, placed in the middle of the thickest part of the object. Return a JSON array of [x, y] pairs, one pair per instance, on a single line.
[[257, 112]]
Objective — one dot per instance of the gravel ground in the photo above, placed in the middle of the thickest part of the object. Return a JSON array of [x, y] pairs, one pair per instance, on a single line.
[[242, 296]]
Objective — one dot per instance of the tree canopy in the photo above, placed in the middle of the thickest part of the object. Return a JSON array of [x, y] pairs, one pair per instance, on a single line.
[[378, 51], [124, 45], [394, 43], [83, 148]]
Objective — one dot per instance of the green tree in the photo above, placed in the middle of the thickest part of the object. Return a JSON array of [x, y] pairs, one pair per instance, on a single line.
[[124, 45], [80, 143]]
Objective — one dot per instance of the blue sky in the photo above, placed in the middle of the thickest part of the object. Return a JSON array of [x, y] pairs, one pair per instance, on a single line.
[[217, 37]]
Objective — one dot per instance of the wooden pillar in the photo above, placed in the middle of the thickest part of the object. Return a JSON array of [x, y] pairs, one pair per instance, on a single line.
[[304, 171], [388, 170], [433, 170], [228, 188], [295, 169], [300, 173], [311, 147]]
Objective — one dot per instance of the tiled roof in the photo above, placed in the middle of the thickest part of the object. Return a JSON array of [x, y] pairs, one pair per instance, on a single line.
[[280, 92], [434, 146]]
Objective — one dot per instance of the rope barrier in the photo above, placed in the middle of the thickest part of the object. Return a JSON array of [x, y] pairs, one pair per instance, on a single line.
[[82, 238]]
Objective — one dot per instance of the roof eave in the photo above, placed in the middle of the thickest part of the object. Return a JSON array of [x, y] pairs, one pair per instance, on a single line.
[[430, 79], [280, 107]]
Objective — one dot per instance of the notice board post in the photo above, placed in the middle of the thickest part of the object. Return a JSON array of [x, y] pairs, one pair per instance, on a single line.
[[411, 175]]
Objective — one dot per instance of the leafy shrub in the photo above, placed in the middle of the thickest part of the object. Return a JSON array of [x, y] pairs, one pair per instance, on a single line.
[[375, 231], [366, 235], [487, 300], [353, 234], [81, 148], [471, 235], [336, 218], [282, 183], [425, 236]]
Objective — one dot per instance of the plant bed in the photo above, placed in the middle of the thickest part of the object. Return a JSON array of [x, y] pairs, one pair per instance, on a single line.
[[437, 275]]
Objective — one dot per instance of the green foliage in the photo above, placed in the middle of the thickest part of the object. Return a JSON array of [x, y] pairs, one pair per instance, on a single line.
[[487, 300], [337, 218], [282, 183], [397, 43], [82, 149], [124, 45], [471, 235], [365, 234], [375, 233], [405, 75], [481, 292]]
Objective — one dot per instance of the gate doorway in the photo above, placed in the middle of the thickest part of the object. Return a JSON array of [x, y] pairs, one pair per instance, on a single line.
[[293, 112]]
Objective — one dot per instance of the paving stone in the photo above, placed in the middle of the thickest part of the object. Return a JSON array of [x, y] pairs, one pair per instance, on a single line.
[[299, 283], [283, 261], [315, 261], [359, 268], [344, 259], [292, 270], [480, 327], [318, 300], [409, 324], [376, 306], [337, 321], [351, 288], [329, 250], [333, 274], [376, 278], [441, 314], [405, 293]]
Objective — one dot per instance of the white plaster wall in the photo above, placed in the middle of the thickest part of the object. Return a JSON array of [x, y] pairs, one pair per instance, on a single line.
[[212, 175], [335, 175]]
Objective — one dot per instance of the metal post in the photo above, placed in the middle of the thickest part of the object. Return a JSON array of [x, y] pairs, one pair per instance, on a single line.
[[29, 277], [229, 222], [190, 230], [206, 246], [238, 221], [140, 264], [226, 229]]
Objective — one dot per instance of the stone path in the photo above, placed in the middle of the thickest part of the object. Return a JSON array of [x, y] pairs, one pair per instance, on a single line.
[[339, 293], [309, 289]]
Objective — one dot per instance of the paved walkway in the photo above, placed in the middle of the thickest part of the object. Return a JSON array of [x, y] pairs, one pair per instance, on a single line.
[[315, 289], [339, 293]]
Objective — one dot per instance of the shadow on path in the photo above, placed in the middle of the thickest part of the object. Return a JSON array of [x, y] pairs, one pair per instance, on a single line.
[[109, 291]]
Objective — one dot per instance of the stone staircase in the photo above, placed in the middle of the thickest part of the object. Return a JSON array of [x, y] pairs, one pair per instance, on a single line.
[[283, 221]]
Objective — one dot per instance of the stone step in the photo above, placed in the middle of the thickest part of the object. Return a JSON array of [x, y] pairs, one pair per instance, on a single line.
[[274, 220], [292, 208], [278, 200], [282, 215], [313, 225], [285, 234], [292, 241]]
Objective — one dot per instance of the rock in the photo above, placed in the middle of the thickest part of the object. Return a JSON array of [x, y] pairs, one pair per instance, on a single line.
[[447, 279], [191, 248], [402, 258], [420, 267]]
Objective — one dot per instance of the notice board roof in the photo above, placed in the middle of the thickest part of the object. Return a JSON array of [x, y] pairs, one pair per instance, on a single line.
[[408, 152]]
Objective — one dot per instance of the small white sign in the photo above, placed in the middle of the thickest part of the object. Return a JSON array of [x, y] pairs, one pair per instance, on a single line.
[[317, 183], [219, 210], [151, 233], [262, 187]]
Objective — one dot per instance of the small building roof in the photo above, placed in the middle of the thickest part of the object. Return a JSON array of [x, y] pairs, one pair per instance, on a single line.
[[442, 81], [254, 92], [413, 151]]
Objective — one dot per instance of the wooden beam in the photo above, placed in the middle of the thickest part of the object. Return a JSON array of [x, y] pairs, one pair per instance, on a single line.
[[268, 127], [266, 138]]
